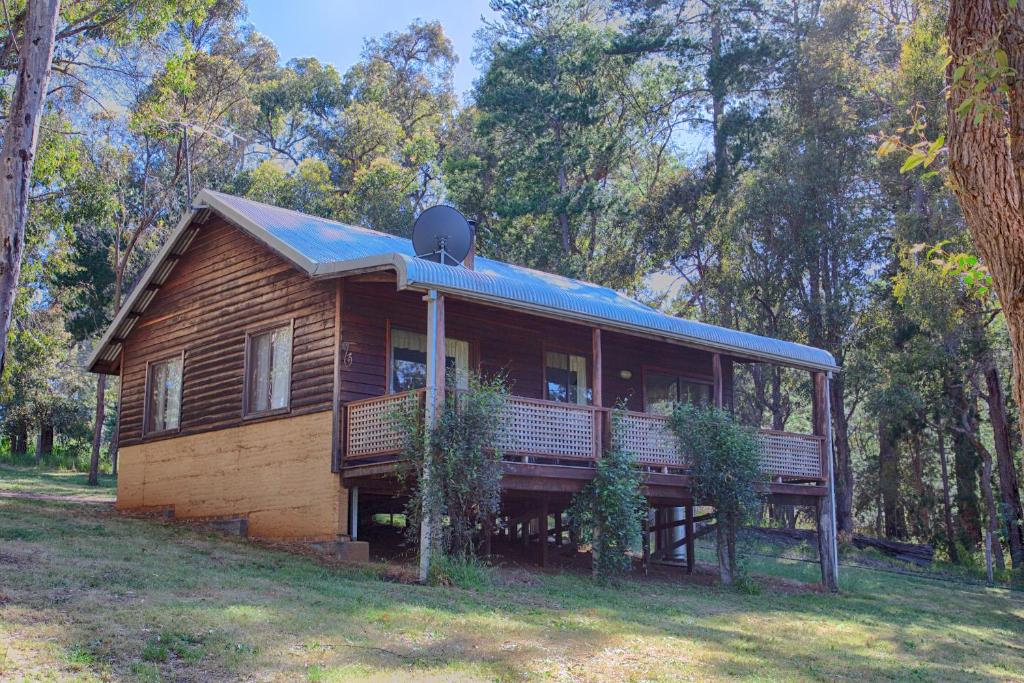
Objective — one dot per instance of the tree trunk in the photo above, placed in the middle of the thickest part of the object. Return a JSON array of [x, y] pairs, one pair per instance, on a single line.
[[986, 152], [947, 507], [722, 547], [46, 439], [20, 139], [97, 432], [1009, 486], [716, 77], [19, 440], [888, 480], [992, 512], [966, 466], [843, 462], [922, 491]]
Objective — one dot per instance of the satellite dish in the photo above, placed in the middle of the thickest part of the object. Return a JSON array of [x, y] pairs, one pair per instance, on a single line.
[[442, 234]]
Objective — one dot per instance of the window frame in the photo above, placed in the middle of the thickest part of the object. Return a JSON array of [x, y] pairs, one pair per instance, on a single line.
[[247, 413], [147, 429], [587, 358], [686, 377]]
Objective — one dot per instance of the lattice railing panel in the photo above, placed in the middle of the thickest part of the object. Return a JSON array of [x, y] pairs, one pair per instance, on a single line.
[[790, 455], [375, 425], [650, 440], [547, 429]]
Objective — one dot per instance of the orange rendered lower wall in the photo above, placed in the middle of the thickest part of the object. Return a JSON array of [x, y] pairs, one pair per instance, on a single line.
[[276, 473]]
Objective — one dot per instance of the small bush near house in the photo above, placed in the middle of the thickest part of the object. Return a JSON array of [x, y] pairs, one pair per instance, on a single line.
[[725, 466], [464, 465], [607, 513]]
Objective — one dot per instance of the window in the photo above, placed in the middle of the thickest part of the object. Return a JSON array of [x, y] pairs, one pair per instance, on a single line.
[[268, 373], [163, 395], [565, 378], [409, 360], [662, 391]]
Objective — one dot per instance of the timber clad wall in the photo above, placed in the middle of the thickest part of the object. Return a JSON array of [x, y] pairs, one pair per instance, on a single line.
[[276, 473], [276, 470], [504, 340], [225, 284]]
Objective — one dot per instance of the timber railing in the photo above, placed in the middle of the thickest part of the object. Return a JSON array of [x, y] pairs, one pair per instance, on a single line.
[[536, 430], [373, 426]]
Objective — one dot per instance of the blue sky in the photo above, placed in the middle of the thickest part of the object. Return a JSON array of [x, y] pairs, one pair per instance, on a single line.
[[333, 30]]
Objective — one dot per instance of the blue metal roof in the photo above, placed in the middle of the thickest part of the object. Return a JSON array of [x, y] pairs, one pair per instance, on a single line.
[[326, 248]]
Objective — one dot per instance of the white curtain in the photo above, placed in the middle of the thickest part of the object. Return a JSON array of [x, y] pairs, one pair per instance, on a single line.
[[165, 395], [414, 341], [281, 367], [578, 366], [459, 350], [270, 374]]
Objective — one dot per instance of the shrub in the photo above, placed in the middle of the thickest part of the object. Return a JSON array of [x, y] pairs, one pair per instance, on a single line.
[[725, 467], [464, 465], [607, 513]]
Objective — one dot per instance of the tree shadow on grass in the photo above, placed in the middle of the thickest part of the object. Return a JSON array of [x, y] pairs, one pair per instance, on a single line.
[[117, 583]]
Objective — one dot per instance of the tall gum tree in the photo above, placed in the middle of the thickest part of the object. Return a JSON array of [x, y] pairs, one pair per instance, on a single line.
[[985, 141], [21, 137]]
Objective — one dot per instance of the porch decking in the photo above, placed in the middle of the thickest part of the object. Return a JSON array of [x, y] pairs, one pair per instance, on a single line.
[[553, 446]]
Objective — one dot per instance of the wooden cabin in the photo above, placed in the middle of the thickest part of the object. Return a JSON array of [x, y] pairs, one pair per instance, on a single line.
[[262, 354]]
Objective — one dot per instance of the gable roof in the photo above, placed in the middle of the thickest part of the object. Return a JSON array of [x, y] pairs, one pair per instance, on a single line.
[[324, 248]]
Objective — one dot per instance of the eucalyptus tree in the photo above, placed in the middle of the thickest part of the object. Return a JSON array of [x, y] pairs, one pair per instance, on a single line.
[[568, 129], [180, 132], [70, 43]]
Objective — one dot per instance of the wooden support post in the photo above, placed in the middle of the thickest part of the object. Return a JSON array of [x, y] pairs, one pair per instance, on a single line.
[[558, 529], [663, 533], [828, 555], [526, 534], [691, 548], [542, 534], [435, 402], [718, 388], [488, 531], [601, 431], [645, 542]]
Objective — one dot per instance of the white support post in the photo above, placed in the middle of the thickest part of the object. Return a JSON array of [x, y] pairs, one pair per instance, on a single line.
[[431, 414]]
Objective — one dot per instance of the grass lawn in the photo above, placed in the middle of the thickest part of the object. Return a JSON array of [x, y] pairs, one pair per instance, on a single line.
[[65, 484], [86, 594]]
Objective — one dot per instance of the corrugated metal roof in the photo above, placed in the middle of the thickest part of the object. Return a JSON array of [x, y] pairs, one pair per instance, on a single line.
[[325, 248]]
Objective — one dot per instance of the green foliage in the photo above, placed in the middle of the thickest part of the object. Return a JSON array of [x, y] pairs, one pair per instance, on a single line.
[[725, 461], [725, 470], [607, 513], [464, 571], [462, 461]]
